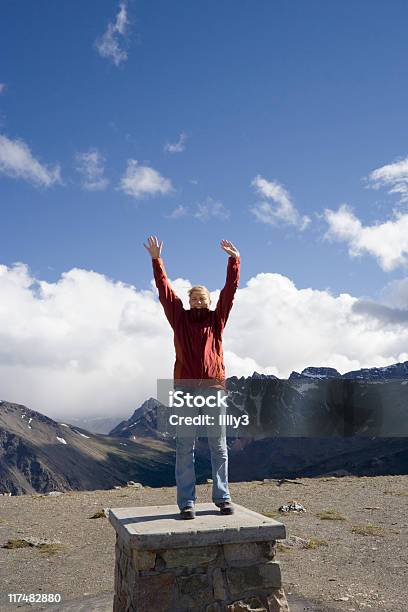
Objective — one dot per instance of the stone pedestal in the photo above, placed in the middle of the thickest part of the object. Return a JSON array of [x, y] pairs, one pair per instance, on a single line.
[[213, 563]]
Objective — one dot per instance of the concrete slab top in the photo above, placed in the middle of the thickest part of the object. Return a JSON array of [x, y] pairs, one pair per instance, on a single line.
[[160, 527]]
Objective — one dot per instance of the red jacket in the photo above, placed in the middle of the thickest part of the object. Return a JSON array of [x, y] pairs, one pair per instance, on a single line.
[[198, 331]]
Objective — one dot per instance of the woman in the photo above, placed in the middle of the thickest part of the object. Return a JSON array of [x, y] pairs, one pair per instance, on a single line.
[[199, 369]]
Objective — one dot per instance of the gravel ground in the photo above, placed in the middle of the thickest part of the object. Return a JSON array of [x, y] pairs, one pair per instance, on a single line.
[[347, 570]]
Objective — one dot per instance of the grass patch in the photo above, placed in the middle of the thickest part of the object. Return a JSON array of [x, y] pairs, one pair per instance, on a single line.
[[273, 514], [368, 530], [17, 544], [315, 542], [397, 493], [331, 515], [99, 514], [282, 548], [50, 548]]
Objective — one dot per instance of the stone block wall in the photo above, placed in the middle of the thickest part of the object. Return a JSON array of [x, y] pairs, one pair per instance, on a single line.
[[214, 578]]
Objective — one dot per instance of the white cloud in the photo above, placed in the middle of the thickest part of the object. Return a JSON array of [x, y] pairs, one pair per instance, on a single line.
[[387, 315], [394, 176], [177, 147], [101, 340], [245, 366], [395, 293], [3, 87], [305, 327], [140, 181], [17, 161], [282, 210], [387, 242], [204, 211], [211, 209], [90, 165], [179, 211], [109, 45]]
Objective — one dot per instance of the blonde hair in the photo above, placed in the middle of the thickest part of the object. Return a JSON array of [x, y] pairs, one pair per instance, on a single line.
[[199, 289]]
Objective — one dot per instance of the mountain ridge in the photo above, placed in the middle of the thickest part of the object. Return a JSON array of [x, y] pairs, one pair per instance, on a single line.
[[39, 454]]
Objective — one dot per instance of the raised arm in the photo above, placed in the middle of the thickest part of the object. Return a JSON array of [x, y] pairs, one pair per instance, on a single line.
[[226, 298], [172, 304]]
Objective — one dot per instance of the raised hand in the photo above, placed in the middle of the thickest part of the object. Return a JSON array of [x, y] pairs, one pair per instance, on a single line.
[[153, 246], [229, 248]]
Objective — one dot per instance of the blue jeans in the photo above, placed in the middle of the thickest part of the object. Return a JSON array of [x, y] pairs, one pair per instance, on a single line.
[[185, 444]]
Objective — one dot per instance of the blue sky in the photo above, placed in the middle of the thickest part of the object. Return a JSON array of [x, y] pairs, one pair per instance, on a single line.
[[280, 126], [311, 95]]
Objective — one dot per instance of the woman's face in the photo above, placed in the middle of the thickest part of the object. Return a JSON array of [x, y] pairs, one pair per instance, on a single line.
[[199, 299]]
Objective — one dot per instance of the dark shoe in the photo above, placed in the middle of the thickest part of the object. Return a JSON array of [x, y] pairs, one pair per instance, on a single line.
[[225, 507], [187, 513]]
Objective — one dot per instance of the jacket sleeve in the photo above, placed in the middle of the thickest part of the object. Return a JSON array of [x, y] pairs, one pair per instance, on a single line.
[[173, 306], [226, 298]]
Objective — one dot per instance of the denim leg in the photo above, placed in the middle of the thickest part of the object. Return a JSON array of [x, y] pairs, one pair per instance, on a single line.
[[217, 441], [219, 462], [185, 460], [185, 471]]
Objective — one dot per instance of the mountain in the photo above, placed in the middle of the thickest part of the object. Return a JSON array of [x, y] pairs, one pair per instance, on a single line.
[[264, 376], [40, 454], [143, 422], [340, 420], [394, 371], [314, 406], [97, 424], [318, 422], [315, 373], [317, 425]]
